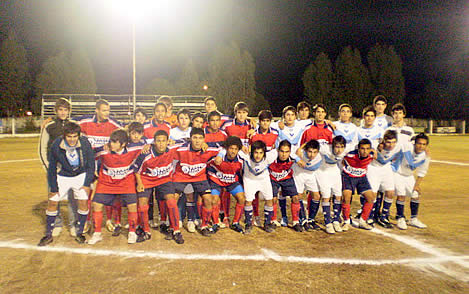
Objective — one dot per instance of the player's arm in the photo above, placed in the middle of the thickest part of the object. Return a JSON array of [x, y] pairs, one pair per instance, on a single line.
[[421, 173], [140, 186], [52, 171], [43, 140], [88, 155]]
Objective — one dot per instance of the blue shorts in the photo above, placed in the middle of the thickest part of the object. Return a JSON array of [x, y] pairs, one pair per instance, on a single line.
[[201, 187], [160, 191], [350, 183], [108, 199], [288, 187], [234, 188]]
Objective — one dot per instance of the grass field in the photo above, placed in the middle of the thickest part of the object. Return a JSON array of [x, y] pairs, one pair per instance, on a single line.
[[434, 260]]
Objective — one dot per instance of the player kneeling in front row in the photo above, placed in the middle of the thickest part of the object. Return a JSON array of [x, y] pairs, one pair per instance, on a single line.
[[75, 157]]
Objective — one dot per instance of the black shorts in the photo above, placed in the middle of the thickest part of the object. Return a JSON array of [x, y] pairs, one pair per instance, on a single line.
[[360, 184], [201, 187], [288, 187], [108, 199], [160, 191]]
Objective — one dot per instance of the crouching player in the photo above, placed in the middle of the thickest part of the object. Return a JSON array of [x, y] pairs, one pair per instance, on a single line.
[[412, 158], [116, 179], [154, 171], [75, 157]]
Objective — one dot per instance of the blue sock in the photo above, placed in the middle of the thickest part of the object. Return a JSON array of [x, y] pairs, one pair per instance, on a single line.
[[414, 207], [313, 209], [268, 212], [326, 210], [282, 202], [373, 210], [362, 200], [50, 221], [82, 215], [386, 205], [400, 209], [191, 211], [302, 215], [337, 209], [248, 214], [379, 202], [182, 207]]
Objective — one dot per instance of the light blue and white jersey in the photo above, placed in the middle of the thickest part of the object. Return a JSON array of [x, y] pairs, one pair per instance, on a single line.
[[409, 161], [312, 164], [385, 157], [179, 136], [256, 170], [291, 134], [304, 122], [384, 121], [346, 130], [331, 160], [404, 133], [374, 134]]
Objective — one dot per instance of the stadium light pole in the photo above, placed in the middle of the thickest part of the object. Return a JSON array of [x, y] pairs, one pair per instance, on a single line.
[[134, 68]]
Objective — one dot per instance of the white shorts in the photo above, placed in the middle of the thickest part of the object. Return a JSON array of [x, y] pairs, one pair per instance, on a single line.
[[330, 182], [381, 178], [189, 189], [404, 185], [263, 186], [70, 183], [305, 180]]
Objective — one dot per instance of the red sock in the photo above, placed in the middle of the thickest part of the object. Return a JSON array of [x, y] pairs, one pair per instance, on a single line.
[[295, 211], [98, 220], [238, 212], [200, 204], [274, 215], [206, 214], [216, 213], [108, 212], [255, 206], [163, 212], [346, 211], [226, 199], [310, 198], [143, 215], [132, 218], [117, 212], [367, 207], [173, 214]]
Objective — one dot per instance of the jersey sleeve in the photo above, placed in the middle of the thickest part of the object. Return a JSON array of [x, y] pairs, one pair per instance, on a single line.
[[423, 169], [43, 140]]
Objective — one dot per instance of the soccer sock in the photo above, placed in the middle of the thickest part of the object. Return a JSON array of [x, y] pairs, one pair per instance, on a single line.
[[226, 199], [295, 211], [82, 215], [310, 198], [248, 214], [255, 206], [282, 202], [132, 218], [143, 214], [346, 211], [108, 212], [50, 221], [206, 214], [400, 208], [326, 210], [150, 207], [238, 212], [374, 208], [367, 207], [173, 214], [313, 209], [190, 206], [337, 208], [414, 207], [362, 200], [216, 213], [89, 208], [182, 207], [268, 211], [163, 211], [98, 220], [117, 212], [379, 202], [302, 212], [386, 205], [200, 204]]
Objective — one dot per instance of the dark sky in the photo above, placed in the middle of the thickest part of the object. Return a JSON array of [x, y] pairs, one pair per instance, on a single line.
[[283, 36]]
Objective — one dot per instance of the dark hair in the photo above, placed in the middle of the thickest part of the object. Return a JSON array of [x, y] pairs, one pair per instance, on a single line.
[[364, 142], [197, 131], [303, 105], [184, 111], [160, 104], [166, 100], [389, 135], [71, 128], [288, 108], [258, 145], [136, 127], [160, 133], [119, 136], [380, 98], [339, 140], [210, 99], [284, 143], [241, 106], [140, 110], [398, 106], [196, 115], [212, 114], [367, 109], [265, 114], [101, 102], [422, 136], [319, 105], [62, 102], [233, 140], [312, 144], [345, 105]]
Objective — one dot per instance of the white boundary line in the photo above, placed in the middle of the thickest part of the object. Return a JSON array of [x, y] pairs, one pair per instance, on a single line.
[[18, 160], [450, 162]]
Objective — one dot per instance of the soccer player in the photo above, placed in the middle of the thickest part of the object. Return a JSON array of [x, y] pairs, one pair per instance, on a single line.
[[116, 179], [181, 133], [344, 126], [157, 122], [170, 117], [211, 105], [404, 132], [213, 134], [198, 120], [320, 129], [413, 158], [382, 120], [154, 172], [304, 111], [71, 167], [140, 115], [354, 170]]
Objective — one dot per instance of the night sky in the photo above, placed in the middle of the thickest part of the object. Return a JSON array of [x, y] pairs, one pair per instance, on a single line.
[[431, 37]]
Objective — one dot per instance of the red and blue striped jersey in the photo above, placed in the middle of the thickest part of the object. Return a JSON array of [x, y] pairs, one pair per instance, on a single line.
[[281, 170], [354, 165], [269, 138], [227, 173], [156, 168], [234, 128], [150, 128], [192, 165], [217, 138], [97, 133]]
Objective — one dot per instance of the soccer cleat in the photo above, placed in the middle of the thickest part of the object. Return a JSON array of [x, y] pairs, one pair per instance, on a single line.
[[330, 228], [237, 227], [346, 225], [269, 228], [153, 224], [226, 221], [110, 226], [355, 222], [143, 237], [297, 227], [126, 226], [191, 227], [284, 222], [337, 226], [169, 235], [80, 239], [384, 222], [215, 228], [257, 221], [363, 224], [415, 222], [197, 222], [178, 238], [56, 231], [401, 224], [164, 228], [47, 239], [221, 225], [180, 224], [277, 224], [132, 238], [95, 238], [73, 231], [248, 229], [371, 222], [359, 214], [117, 230], [139, 231], [205, 232], [87, 227], [314, 225]]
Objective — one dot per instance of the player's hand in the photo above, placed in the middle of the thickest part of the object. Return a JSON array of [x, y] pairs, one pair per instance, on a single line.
[[250, 133], [140, 187], [427, 151], [329, 122], [171, 142], [146, 149], [106, 147], [45, 122], [281, 125], [87, 190], [302, 163], [204, 147], [245, 149], [218, 160], [253, 123]]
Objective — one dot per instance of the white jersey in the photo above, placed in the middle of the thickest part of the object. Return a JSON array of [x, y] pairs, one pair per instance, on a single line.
[[408, 161], [256, 171], [303, 122], [384, 121], [374, 134], [332, 161], [311, 164], [385, 157], [404, 133], [291, 134], [346, 130], [179, 136]]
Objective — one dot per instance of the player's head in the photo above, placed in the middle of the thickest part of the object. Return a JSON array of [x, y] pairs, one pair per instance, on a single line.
[[379, 103], [369, 115], [210, 104], [265, 118], [140, 115], [389, 139], [214, 120], [118, 140], [62, 108], [319, 112], [289, 115], [232, 145], [312, 149], [364, 147], [71, 133], [421, 142], [398, 112], [197, 138], [338, 144], [258, 150], [345, 112], [184, 118], [167, 101], [160, 141], [284, 150], [304, 109], [159, 111], [241, 111], [103, 109], [135, 132], [198, 120]]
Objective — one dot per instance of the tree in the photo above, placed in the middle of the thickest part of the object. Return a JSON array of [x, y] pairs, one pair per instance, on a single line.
[[352, 80], [83, 78], [189, 82], [386, 73], [159, 86], [14, 76], [260, 103], [318, 81]]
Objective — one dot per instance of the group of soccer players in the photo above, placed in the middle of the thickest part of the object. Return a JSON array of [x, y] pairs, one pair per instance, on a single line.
[[189, 166]]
